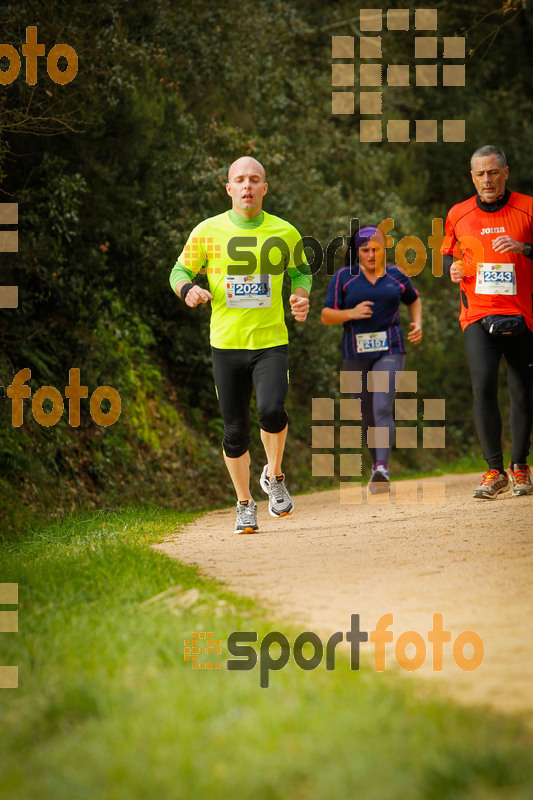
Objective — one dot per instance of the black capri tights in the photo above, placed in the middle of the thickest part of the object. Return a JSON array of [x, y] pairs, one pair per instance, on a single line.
[[237, 373], [484, 352]]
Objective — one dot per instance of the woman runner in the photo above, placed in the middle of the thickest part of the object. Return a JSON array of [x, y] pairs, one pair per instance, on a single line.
[[365, 297]]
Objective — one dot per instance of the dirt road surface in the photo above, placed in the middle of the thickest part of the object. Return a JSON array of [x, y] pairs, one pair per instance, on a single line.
[[438, 551]]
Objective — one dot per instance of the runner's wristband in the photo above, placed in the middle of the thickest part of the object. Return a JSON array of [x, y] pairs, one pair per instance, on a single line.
[[184, 291], [447, 261]]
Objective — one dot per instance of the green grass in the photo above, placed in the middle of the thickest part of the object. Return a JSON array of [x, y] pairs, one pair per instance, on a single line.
[[107, 708], [462, 465]]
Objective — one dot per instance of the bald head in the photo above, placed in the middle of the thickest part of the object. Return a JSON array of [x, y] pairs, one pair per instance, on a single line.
[[246, 186], [246, 165]]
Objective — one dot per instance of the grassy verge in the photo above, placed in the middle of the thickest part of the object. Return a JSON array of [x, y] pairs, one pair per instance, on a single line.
[[108, 708], [457, 466]]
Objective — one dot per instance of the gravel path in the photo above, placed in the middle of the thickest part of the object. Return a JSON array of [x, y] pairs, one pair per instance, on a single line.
[[469, 560]]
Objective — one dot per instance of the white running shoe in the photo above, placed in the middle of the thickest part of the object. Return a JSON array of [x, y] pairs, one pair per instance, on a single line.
[[379, 480], [246, 521], [279, 500]]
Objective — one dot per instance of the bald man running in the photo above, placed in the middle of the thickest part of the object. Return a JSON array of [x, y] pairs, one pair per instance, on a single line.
[[245, 252]]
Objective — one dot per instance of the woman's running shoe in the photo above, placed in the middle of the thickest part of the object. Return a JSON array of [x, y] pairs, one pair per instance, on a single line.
[[379, 480]]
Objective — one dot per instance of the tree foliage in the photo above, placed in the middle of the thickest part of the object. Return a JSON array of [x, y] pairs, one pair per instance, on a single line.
[[113, 170]]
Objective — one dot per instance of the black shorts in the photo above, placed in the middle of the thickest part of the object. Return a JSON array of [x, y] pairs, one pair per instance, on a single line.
[[237, 373]]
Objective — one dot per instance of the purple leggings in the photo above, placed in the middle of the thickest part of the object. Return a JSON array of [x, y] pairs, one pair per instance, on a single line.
[[377, 407]]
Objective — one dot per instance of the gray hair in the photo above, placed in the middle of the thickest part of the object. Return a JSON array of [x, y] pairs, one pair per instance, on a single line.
[[489, 150]]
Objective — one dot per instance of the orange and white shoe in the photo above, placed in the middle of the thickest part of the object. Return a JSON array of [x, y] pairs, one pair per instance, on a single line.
[[520, 476], [492, 484], [246, 521], [280, 502]]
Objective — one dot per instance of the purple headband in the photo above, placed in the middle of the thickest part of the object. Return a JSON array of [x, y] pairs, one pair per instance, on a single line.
[[362, 236]]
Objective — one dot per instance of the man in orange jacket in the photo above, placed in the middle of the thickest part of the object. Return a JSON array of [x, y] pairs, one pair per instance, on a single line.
[[488, 250]]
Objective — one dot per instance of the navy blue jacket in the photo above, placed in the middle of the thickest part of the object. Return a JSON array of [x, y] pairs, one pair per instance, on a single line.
[[349, 287]]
